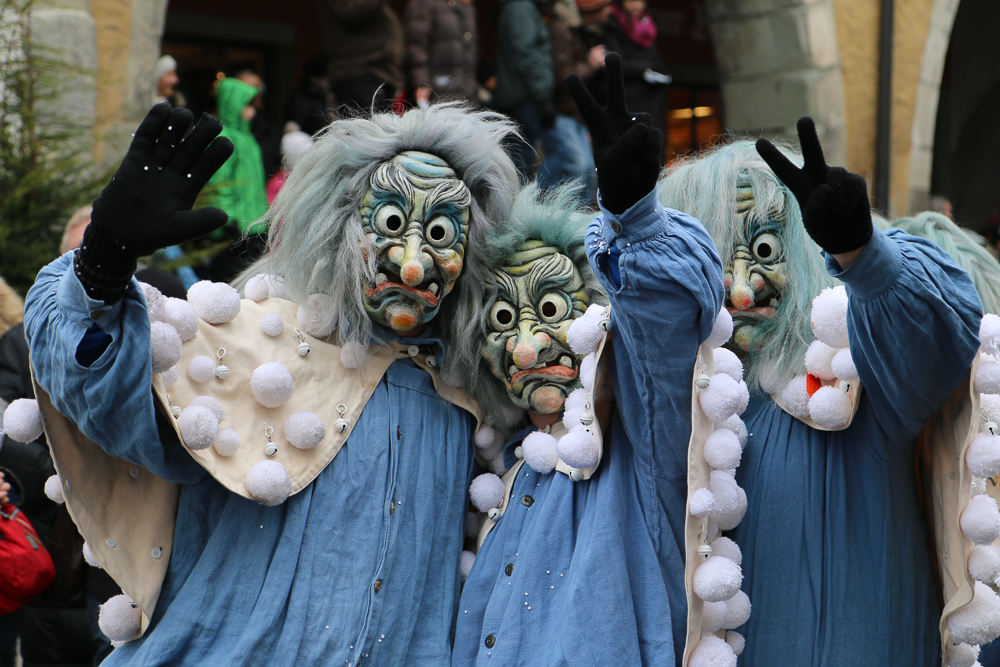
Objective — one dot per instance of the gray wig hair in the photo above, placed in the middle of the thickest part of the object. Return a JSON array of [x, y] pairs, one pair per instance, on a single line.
[[316, 240]]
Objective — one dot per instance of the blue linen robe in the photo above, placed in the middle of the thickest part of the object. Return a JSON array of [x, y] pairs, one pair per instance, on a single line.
[[836, 560], [592, 572], [362, 566]]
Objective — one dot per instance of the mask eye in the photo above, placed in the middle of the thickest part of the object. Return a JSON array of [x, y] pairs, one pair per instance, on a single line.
[[503, 316], [767, 248], [390, 221], [553, 307], [441, 232]]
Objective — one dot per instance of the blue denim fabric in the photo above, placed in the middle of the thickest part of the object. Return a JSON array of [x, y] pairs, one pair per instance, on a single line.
[[597, 567], [835, 552], [293, 584]]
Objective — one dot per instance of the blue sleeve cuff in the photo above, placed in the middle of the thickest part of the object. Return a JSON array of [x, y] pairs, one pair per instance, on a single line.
[[874, 271], [644, 219]]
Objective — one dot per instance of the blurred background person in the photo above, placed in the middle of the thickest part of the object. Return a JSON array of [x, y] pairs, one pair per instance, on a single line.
[[293, 145], [442, 49], [364, 42], [631, 33], [167, 82], [310, 107], [267, 135]]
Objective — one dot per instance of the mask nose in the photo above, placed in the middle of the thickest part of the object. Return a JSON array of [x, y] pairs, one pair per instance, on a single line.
[[411, 260], [527, 345], [744, 285]]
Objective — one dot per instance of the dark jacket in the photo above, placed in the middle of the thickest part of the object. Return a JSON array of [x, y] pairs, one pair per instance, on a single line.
[[442, 47], [641, 96], [569, 54], [524, 55], [308, 106], [362, 37]]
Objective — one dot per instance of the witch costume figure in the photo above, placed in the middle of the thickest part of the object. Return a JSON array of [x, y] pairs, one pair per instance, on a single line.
[[280, 479]]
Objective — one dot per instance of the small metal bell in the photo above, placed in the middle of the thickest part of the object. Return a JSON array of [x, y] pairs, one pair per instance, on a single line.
[[605, 324], [587, 418], [845, 386], [304, 349], [991, 427], [704, 550], [576, 475], [271, 449], [175, 410], [519, 452], [494, 513], [431, 361], [341, 425], [222, 371], [702, 381]]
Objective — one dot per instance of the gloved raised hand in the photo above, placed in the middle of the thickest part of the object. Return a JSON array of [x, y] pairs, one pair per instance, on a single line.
[[627, 149], [147, 204], [834, 202]]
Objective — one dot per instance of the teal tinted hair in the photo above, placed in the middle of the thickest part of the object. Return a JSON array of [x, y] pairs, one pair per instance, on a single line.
[[705, 187], [964, 249], [316, 239], [555, 217]]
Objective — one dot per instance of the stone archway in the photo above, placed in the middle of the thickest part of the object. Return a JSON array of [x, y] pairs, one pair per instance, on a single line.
[[779, 61]]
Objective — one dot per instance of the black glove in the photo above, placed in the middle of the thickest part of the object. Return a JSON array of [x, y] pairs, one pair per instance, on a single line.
[[627, 149], [834, 202], [147, 204], [546, 114]]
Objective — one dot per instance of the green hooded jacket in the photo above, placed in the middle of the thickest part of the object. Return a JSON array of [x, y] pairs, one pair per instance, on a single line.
[[238, 186]]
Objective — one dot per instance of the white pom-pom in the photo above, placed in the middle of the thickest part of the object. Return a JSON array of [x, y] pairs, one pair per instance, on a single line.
[[468, 558], [212, 404], [989, 332], [540, 452], [268, 483], [736, 425], [216, 303], [587, 371], [271, 384], [738, 611], [353, 354], [154, 301], [829, 317], [53, 489], [712, 651], [722, 449], [88, 557], [717, 579], [962, 655], [795, 397], [227, 442], [728, 363], [843, 365], [725, 547], [819, 360], [199, 427], [278, 288], [169, 377], [989, 404], [22, 420], [181, 315], [984, 563], [723, 398], [980, 520], [257, 288], [979, 621], [496, 464], [831, 407], [304, 430], [701, 503], [978, 487], [988, 377], [584, 334], [485, 437], [272, 325], [120, 618], [736, 641], [165, 344], [983, 455], [318, 316], [730, 500], [202, 368], [722, 330], [486, 491], [579, 449], [713, 616]]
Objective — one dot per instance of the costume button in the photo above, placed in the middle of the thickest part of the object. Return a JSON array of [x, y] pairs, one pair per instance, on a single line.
[[378, 585], [527, 500], [111, 542], [490, 641], [615, 226], [413, 350], [135, 471], [157, 552], [509, 570]]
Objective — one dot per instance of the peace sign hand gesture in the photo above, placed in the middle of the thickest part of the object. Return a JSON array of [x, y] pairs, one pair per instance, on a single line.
[[834, 202], [626, 147]]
